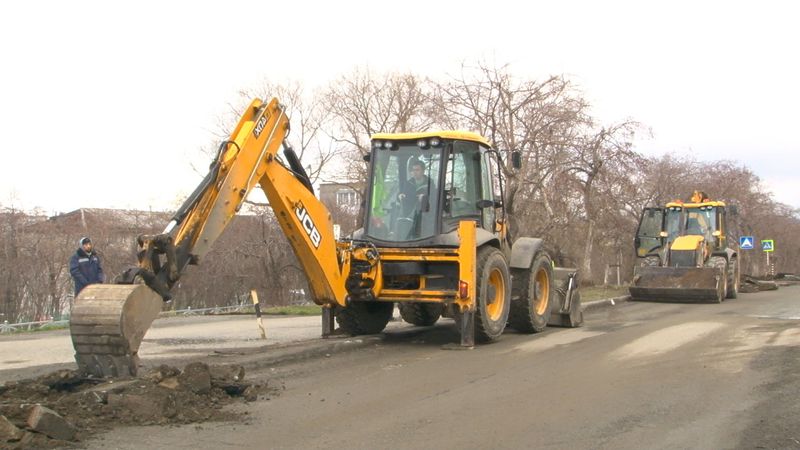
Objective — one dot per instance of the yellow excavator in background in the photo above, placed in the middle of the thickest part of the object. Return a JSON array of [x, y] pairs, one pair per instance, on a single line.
[[435, 241], [683, 253]]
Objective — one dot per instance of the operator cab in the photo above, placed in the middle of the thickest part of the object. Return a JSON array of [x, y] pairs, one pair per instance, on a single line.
[[659, 227], [421, 185]]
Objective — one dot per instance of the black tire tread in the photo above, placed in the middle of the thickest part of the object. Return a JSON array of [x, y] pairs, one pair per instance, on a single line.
[[483, 324], [522, 316], [421, 314], [364, 317], [722, 264], [733, 278]]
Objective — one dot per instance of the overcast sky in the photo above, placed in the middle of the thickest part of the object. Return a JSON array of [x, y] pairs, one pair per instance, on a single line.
[[107, 104]]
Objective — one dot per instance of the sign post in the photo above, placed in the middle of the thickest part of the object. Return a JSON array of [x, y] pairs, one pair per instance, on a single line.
[[768, 246]]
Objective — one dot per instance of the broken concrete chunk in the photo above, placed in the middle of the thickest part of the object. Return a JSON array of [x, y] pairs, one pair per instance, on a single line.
[[48, 422], [8, 431]]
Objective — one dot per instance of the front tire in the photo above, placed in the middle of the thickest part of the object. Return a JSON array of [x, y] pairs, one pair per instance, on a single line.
[[421, 314], [364, 317], [649, 261], [494, 294], [722, 286]]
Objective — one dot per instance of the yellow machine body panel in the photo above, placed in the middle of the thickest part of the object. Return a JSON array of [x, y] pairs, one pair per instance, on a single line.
[[687, 242]]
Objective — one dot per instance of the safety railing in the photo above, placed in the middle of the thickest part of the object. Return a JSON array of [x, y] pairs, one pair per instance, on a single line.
[[6, 327]]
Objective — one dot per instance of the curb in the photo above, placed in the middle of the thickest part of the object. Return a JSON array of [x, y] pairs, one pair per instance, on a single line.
[[596, 304]]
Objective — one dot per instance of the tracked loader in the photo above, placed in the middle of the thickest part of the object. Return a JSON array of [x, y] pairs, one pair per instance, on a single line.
[[435, 242], [683, 253]]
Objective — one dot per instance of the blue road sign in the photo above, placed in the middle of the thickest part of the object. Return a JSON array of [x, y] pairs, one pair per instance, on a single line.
[[746, 242], [768, 245]]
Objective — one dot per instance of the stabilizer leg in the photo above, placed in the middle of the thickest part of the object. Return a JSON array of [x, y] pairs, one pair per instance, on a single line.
[[468, 328], [328, 321]]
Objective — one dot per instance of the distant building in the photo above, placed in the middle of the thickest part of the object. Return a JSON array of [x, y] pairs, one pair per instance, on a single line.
[[340, 194], [88, 219]]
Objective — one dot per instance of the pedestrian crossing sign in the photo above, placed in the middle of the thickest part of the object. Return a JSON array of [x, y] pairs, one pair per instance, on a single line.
[[746, 242], [768, 245]]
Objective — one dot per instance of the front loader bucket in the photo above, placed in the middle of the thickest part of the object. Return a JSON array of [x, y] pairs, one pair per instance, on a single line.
[[678, 284], [108, 323]]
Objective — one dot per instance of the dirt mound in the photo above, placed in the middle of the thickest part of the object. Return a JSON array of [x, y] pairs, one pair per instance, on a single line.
[[62, 408]]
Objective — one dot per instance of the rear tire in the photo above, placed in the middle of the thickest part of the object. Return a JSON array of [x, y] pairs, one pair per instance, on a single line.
[[733, 279], [421, 314], [533, 296], [364, 317], [494, 294]]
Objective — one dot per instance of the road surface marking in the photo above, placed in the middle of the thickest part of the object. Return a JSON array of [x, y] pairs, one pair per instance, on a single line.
[[666, 340], [562, 337]]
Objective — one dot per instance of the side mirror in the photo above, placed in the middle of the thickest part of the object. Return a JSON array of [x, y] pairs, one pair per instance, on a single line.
[[366, 157], [516, 159]]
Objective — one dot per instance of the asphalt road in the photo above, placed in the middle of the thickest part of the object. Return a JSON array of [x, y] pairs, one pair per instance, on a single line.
[[638, 375]]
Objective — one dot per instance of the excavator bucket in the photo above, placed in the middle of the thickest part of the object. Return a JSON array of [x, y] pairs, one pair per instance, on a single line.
[[679, 284], [108, 323]]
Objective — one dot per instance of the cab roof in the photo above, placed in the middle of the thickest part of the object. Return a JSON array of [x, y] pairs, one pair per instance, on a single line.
[[693, 205], [447, 134]]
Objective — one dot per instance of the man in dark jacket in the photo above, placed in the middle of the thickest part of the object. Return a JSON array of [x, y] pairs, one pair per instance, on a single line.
[[84, 266], [414, 191]]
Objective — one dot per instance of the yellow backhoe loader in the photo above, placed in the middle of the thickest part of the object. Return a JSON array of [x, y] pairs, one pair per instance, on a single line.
[[435, 241], [683, 253]]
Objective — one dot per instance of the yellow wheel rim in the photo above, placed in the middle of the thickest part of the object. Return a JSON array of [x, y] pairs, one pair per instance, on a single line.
[[541, 291], [494, 306]]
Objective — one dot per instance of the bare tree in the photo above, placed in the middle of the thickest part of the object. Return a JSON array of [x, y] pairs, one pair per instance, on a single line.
[[601, 159], [537, 118]]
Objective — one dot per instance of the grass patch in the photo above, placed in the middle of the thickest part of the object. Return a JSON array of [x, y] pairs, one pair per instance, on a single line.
[[602, 292], [305, 310], [45, 327], [53, 326]]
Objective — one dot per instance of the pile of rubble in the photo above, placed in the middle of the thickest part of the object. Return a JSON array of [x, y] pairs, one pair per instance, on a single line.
[[62, 408], [752, 283]]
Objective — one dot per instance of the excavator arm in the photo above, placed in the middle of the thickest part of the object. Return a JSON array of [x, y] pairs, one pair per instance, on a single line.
[[108, 322]]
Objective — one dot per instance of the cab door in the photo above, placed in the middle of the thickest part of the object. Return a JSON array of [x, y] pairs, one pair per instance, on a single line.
[[649, 234]]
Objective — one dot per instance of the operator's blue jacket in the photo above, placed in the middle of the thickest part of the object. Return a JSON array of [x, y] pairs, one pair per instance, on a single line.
[[85, 269]]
